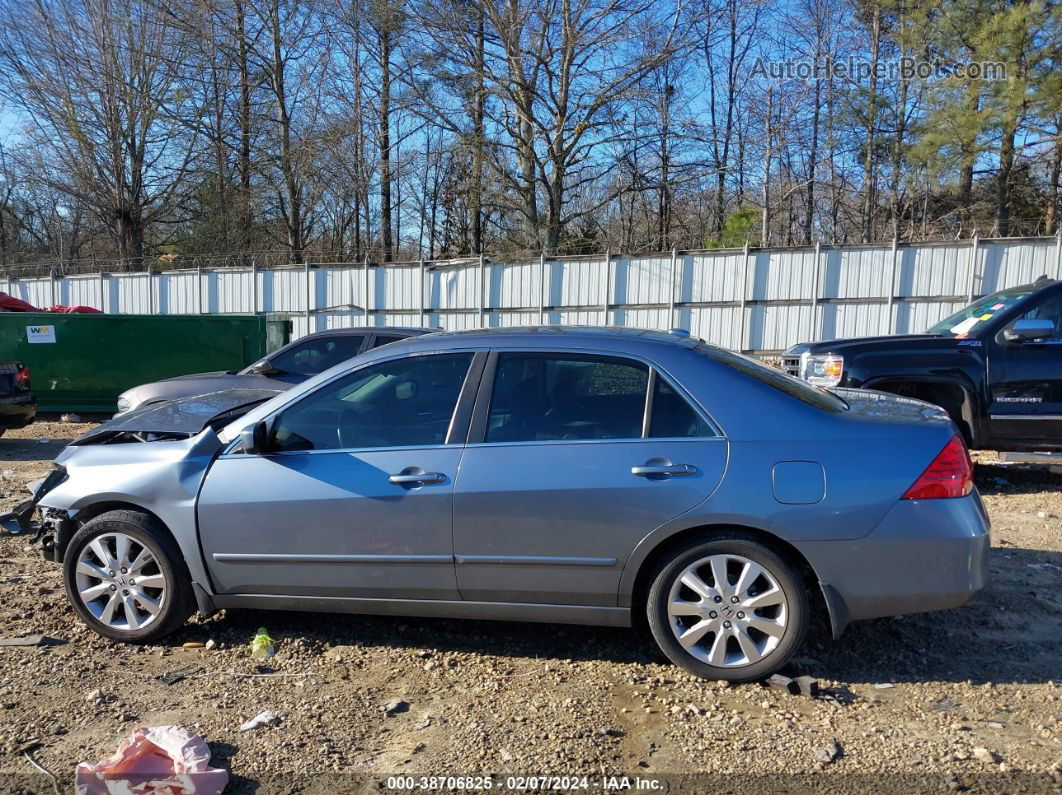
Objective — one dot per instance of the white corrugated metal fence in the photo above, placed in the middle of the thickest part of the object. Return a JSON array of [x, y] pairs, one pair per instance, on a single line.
[[758, 300]]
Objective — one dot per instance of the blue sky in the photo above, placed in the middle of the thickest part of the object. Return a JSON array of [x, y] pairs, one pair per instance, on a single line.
[[9, 120]]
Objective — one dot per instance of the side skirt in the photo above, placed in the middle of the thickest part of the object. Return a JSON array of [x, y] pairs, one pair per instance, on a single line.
[[429, 608]]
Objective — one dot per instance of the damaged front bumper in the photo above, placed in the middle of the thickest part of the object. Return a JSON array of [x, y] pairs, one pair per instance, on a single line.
[[52, 529]]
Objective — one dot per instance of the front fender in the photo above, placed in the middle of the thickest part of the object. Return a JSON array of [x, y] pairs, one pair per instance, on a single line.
[[161, 477]]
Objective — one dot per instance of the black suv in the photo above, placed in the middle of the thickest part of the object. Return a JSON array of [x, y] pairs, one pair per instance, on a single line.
[[994, 366], [18, 406]]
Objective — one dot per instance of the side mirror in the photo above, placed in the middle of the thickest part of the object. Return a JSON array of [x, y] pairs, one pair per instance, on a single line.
[[261, 368], [255, 438], [1029, 328]]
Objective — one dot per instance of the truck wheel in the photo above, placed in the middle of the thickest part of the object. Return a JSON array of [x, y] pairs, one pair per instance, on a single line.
[[727, 608], [126, 579]]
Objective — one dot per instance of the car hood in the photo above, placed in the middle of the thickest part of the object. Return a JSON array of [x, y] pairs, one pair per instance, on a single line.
[[183, 416], [900, 341], [204, 376]]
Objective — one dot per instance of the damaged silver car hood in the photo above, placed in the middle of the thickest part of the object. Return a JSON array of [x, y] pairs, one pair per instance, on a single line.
[[180, 418]]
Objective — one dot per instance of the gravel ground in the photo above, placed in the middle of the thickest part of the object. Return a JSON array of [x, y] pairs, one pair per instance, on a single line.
[[969, 699]]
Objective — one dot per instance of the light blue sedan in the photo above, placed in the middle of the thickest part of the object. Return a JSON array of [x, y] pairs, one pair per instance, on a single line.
[[585, 476]]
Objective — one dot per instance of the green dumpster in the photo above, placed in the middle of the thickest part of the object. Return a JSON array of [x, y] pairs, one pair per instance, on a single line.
[[83, 362]]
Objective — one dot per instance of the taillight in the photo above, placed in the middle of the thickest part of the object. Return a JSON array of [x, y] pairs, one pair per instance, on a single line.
[[22, 378], [949, 475]]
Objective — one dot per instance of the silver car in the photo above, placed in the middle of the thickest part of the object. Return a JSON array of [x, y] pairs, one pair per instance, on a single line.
[[285, 367], [595, 476]]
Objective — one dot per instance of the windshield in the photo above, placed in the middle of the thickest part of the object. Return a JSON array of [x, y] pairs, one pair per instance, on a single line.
[[773, 377], [972, 318]]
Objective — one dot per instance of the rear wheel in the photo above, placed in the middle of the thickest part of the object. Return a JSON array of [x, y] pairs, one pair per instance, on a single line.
[[727, 608], [125, 577]]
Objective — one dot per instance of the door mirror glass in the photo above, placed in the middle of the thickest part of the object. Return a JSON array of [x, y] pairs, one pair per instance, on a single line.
[[1029, 328], [261, 368], [254, 439]]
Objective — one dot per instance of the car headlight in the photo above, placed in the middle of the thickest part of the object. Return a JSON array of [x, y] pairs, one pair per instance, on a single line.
[[124, 404], [824, 369]]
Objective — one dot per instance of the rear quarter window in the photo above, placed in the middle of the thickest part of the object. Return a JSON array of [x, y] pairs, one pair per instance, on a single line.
[[774, 378]]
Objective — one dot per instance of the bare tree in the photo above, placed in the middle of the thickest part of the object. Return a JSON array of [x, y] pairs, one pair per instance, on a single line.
[[730, 29], [286, 52], [383, 129], [101, 82]]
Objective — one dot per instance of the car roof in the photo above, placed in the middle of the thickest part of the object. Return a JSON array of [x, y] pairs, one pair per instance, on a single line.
[[408, 331], [1040, 284], [610, 337]]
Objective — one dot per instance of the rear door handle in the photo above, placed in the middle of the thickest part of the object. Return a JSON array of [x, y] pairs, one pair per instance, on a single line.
[[664, 469], [406, 478]]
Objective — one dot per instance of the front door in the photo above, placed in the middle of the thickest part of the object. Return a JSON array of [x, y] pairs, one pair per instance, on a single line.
[[569, 472], [354, 498], [1025, 384]]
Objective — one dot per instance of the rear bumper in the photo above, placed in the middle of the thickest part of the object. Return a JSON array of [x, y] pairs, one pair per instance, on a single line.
[[17, 410], [925, 555]]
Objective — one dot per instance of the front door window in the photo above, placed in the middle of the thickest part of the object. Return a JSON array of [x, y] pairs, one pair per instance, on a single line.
[[399, 403]]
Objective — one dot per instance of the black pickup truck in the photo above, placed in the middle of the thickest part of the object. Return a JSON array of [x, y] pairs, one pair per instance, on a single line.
[[18, 406], [994, 366]]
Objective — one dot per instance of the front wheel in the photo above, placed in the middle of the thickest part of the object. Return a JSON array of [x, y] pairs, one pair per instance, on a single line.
[[126, 579], [727, 608]]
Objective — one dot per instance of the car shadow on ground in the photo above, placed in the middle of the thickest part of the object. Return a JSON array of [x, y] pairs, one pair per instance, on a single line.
[[994, 479], [30, 449], [33, 443], [1011, 632]]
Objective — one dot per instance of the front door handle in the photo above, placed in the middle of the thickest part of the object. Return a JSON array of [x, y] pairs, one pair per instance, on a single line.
[[678, 470], [407, 478]]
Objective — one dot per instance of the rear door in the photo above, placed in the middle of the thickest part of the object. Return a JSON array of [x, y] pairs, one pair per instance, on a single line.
[[1025, 382], [566, 470]]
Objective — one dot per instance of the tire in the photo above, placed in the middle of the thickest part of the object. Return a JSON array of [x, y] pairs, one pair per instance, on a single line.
[[783, 609], [156, 609]]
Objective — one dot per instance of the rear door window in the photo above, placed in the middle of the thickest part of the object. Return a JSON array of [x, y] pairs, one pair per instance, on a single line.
[[552, 397], [672, 415]]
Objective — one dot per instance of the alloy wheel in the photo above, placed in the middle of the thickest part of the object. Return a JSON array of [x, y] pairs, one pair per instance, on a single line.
[[727, 611], [120, 582]]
